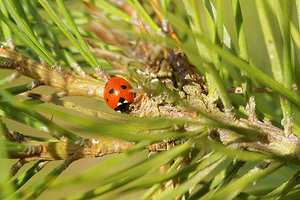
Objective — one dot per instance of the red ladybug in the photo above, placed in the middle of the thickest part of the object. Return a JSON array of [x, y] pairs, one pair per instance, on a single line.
[[116, 93]]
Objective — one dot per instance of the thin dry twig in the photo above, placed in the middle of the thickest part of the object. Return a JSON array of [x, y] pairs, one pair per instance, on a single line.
[[239, 90]]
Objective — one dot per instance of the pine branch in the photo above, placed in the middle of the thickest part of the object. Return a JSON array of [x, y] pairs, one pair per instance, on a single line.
[[272, 140]]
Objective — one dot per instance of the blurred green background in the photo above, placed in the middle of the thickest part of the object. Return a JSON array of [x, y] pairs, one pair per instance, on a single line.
[[257, 55]]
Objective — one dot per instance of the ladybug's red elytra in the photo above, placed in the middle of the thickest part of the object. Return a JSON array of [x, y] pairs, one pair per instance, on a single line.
[[117, 94]]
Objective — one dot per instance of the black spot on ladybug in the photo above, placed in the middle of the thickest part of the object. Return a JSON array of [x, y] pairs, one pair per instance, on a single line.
[[123, 87], [111, 91], [107, 100], [121, 100]]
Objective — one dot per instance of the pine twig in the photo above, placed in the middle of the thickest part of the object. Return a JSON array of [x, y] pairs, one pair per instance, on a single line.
[[52, 76], [22, 179], [92, 147], [39, 187], [95, 147], [18, 165]]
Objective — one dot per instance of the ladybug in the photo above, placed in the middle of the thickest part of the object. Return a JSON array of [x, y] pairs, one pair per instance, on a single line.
[[117, 95]]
